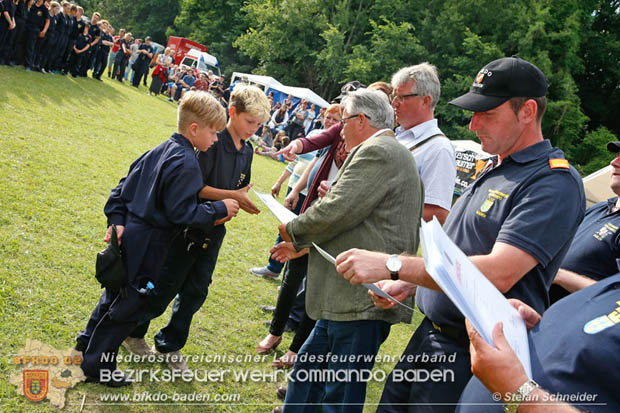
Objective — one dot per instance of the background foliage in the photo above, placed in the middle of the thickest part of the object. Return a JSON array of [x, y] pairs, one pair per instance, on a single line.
[[322, 44]]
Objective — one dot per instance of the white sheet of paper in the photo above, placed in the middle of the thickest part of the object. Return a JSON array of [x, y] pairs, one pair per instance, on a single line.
[[282, 214], [371, 287], [474, 295]]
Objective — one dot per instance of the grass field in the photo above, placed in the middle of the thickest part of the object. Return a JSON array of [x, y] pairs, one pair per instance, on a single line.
[[64, 144]]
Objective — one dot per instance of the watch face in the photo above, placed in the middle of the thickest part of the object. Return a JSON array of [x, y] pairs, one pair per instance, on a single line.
[[394, 263]]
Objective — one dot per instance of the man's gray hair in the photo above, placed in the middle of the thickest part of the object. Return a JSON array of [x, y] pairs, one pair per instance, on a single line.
[[372, 103], [426, 80]]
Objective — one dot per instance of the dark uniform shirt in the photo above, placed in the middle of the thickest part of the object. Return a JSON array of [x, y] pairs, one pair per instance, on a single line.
[[82, 41], [595, 247], [21, 11], [78, 28], [94, 32], [574, 351], [104, 48], [61, 24], [6, 6], [158, 196], [51, 29], [142, 58], [37, 15], [223, 166], [525, 202]]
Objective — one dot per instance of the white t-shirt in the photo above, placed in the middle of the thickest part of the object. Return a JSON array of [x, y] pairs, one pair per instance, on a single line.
[[436, 161]]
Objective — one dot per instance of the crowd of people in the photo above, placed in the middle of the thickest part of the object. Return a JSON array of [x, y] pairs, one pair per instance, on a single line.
[[360, 187]]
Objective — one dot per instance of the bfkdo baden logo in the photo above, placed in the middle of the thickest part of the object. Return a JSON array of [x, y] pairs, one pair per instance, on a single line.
[[36, 384]]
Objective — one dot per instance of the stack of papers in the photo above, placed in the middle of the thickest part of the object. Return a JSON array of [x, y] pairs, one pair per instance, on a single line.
[[473, 294]]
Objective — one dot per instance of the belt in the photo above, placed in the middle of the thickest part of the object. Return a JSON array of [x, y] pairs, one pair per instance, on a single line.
[[454, 333]]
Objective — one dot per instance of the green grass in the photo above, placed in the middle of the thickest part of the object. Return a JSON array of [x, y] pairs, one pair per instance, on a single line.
[[64, 144]]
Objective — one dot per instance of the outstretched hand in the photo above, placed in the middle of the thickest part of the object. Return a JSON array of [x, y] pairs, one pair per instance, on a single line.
[[244, 200], [291, 150]]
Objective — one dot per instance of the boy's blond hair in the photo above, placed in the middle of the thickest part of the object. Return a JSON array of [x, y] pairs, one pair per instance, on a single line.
[[251, 100], [202, 108]]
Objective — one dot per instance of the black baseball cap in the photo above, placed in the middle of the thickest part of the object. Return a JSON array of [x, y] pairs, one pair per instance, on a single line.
[[613, 146], [501, 80]]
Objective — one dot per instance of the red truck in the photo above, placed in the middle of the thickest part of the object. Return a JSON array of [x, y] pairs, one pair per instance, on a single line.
[[181, 46]]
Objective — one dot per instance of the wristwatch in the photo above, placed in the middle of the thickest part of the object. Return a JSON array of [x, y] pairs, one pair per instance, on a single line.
[[393, 265], [520, 396]]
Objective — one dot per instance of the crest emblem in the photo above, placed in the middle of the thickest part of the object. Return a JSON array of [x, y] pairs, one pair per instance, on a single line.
[[597, 325], [480, 78], [36, 384], [487, 205]]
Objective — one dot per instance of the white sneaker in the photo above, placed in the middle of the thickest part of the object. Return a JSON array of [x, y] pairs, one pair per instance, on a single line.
[[137, 346], [174, 359], [264, 272]]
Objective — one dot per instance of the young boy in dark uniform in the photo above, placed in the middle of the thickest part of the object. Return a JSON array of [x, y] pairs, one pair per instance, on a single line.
[[63, 37], [14, 43], [72, 33], [187, 274], [48, 52], [106, 41], [36, 28], [145, 54], [154, 201], [95, 40], [79, 51], [7, 23]]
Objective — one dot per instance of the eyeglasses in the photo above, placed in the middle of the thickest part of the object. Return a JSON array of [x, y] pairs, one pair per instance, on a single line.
[[401, 98], [351, 117]]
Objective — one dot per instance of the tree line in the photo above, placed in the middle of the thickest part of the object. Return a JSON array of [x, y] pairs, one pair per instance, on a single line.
[[322, 44]]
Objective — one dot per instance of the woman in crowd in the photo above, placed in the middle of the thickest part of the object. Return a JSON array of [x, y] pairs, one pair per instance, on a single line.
[[160, 73]]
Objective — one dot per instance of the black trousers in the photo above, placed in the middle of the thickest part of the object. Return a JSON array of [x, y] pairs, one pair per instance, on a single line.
[[66, 60], [34, 45], [61, 47], [117, 313], [119, 66], [48, 53], [185, 278], [141, 70], [77, 60], [13, 49], [101, 62]]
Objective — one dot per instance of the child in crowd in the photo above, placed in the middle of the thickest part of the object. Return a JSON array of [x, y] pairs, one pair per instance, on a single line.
[[157, 198]]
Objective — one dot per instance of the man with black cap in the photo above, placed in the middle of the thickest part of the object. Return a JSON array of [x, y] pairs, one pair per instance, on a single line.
[[596, 246], [515, 222]]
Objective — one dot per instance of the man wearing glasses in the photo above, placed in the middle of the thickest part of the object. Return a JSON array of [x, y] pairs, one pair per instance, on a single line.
[[363, 208], [415, 94]]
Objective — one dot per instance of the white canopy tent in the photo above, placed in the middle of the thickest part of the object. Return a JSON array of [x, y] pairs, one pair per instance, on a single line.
[[596, 186], [268, 82]]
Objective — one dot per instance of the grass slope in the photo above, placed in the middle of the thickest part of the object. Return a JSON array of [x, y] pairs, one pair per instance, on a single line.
[[64, 144]]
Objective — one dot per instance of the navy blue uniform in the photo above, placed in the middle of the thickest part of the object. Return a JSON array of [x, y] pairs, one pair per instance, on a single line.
[[121, 61], [95, 33], [13, 49], [35, 22], [142, 64], [51, 39], [63, 38], [157, 198], [77, 60], [101, 61], [72, 35], [596, 246], [574, 352], [6, 7], [189, 274], [524, 202]]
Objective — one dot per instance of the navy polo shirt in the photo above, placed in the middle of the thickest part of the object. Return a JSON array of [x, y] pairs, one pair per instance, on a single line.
[[523, 202], [223, 166], [162, 189], [596, 245], [82, 41], [37, 16], [142, 58], [574, 351], [94, 32]]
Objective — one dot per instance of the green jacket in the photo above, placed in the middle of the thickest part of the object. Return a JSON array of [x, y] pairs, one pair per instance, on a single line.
[[375, 203]]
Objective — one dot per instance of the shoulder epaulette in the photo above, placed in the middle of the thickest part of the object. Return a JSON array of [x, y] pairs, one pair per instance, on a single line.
[[558, 163]]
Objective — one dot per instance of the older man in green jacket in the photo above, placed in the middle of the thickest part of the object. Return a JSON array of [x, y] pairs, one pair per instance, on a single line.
[[375, 203]]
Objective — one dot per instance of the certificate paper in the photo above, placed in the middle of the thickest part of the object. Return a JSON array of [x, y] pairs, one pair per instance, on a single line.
[[474, 295]]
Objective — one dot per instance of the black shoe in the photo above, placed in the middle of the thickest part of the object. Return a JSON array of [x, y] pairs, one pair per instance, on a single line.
[[113, 382], [12, 64], [80, 346]]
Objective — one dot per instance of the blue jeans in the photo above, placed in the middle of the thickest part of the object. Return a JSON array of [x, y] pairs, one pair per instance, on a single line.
[[336, 338]]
